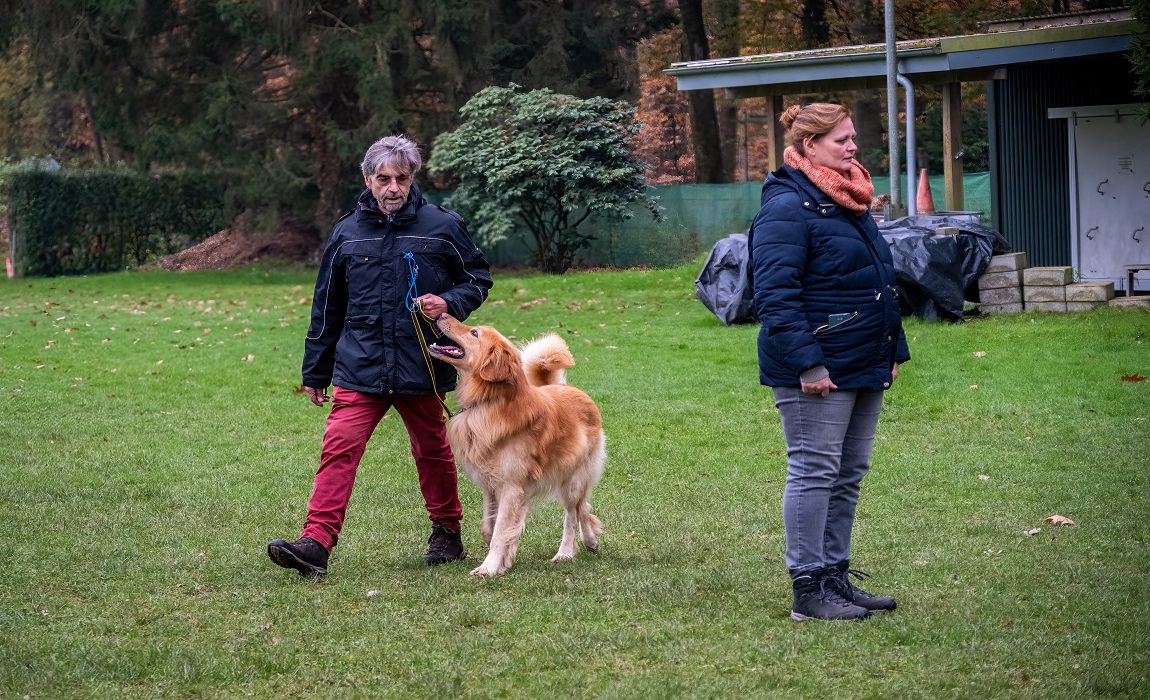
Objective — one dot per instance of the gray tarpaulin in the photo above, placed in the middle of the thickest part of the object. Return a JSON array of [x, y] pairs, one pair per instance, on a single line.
[[936, 272], [724, 284]]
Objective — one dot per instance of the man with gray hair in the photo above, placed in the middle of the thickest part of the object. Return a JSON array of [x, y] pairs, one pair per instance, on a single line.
[[392, 266]]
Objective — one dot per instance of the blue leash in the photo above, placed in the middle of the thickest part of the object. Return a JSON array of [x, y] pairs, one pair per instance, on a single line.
[[416, 310], [412, 292]]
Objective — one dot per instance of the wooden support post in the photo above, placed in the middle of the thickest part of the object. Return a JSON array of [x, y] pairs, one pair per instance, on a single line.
[[952, 145], [775, 132]]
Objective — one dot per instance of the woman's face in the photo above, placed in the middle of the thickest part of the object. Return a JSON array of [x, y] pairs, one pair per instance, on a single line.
[[835, 149]]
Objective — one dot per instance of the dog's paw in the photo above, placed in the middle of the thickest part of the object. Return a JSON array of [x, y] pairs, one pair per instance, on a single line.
[[563, 556], [484, 570]]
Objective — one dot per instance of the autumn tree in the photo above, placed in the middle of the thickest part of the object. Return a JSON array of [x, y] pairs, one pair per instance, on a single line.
[[664, 140], [544, 162]]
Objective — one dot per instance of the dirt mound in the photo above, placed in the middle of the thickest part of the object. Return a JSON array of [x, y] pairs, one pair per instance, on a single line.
[[240, 245]]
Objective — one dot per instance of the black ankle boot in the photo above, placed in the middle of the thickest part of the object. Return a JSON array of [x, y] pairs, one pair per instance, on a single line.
[[856, 595], [445, 545], [305, 555], [817, 598]]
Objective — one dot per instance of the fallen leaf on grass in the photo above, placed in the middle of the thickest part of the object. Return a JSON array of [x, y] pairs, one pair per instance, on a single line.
[[984, 477], [372, 593], [973, 386], [1033, 531], [980, 353], [249, 358], [1059, 520], [1133, 377]]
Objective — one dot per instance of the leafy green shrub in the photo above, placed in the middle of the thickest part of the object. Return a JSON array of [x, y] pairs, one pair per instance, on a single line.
[[102, 220], [543, 162]]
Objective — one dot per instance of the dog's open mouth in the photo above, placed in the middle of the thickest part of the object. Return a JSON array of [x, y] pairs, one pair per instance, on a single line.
[[446, 350]]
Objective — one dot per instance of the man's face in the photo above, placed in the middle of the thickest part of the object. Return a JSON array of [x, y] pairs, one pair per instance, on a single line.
[[389, 185]]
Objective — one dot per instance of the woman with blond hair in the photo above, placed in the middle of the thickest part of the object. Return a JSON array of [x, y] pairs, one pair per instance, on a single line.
[[831, 343]]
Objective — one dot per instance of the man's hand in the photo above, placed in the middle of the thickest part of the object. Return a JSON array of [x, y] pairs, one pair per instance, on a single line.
[[318, 396], [431, 306]]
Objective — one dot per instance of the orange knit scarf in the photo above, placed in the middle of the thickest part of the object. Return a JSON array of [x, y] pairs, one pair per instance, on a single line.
[[854, 193]]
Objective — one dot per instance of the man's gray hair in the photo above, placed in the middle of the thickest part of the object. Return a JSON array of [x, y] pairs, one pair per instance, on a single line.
[[396, 151]]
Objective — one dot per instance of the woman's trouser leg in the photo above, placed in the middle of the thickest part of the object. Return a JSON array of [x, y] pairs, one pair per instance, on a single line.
[[854, 465], [815, 428]]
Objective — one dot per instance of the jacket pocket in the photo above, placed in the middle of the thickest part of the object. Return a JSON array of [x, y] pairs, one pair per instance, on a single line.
[[360, 321], [836, 321]]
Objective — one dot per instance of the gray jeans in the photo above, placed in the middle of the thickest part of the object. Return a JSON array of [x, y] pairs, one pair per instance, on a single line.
[[829, 442]]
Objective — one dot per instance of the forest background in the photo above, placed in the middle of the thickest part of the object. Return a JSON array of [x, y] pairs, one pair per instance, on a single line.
[[280, 97]]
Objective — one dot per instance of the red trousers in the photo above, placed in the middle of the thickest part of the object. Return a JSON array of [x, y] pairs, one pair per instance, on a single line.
[[350, 424]]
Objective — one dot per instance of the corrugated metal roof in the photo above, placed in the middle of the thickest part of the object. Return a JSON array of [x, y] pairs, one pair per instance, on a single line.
[[940, 59]]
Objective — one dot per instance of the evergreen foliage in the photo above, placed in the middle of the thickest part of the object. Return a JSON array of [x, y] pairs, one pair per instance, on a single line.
[[545, 162], [282, 96], [103, 221], [1140, 55]]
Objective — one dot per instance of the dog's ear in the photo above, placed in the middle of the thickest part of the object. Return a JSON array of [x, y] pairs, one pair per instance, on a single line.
[[500, 364]]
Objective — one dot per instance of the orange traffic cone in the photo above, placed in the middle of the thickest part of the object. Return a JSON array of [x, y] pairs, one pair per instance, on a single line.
[[924, 200], [11, 270]]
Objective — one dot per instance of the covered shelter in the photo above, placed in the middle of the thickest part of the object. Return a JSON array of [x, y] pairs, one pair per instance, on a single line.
[[1030, 66]]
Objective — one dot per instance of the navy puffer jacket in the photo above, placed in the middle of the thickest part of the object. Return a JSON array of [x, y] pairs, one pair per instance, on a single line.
[[362, 336], [812, 259]]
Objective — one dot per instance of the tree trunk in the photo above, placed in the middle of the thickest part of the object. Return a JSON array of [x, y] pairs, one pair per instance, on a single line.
[[701, 103], [868, 27], [728, 42], [816, 30]]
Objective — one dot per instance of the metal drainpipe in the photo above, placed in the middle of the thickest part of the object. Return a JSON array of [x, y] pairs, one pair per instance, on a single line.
[[911, 165], [892, 106]]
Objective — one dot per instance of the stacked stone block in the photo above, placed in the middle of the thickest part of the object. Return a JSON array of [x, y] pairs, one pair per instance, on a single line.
[[1000, 287], [1044, 288], [1084, 296], [1128, 301]]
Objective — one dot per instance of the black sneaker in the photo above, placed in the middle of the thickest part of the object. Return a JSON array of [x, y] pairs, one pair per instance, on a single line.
[[444, 546], [817, 598], [856, 595], [305, 555]]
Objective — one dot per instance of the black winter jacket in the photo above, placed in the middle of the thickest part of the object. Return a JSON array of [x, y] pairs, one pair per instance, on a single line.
[[812, 259], [361, 335]]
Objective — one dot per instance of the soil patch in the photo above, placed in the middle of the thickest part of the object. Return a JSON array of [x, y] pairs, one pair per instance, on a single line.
[[240, 245]]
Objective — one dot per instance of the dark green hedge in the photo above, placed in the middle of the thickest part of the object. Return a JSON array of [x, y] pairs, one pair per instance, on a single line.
[[102, 221]]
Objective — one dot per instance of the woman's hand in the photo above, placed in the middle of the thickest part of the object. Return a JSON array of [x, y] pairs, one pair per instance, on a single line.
[[821, 387], [893, 372]]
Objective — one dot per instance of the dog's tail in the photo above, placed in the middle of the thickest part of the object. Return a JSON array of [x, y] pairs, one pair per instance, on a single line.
[[545, 359]]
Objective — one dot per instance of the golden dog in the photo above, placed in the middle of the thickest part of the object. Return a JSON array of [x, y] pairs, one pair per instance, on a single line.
[[523, 435]]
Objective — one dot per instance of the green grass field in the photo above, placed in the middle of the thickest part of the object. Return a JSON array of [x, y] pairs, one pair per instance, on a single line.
[[152, 441]]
